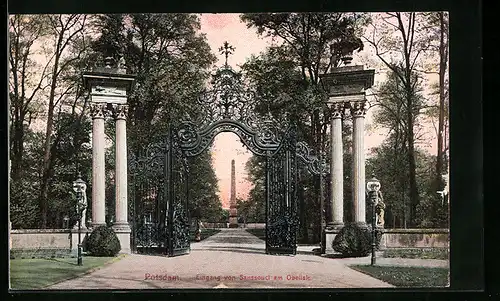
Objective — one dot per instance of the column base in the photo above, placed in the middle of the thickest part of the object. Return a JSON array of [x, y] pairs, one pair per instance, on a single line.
[[334, 225], [95, 225], [361, 224], [123, 231], [330, 234]]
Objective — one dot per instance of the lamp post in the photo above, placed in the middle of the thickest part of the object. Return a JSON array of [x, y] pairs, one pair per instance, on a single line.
[[373, 186], [79, 187]]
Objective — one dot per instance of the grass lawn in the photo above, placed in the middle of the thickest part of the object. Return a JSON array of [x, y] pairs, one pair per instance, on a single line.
[[205, 233], [39, 273], [260, 233], [407, 276]]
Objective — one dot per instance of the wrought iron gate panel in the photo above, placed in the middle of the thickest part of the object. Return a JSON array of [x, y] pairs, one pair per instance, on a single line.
[[147, 172], [282, 219], [177, 195]]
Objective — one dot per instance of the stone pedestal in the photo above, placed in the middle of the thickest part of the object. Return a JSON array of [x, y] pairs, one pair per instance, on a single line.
[[98, 112], [330, 235], [123, 234], [74, 239], [233, 222]]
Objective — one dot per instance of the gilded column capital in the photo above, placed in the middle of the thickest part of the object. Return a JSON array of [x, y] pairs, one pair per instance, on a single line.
[[358, 109], [120, 111], [98, 110]]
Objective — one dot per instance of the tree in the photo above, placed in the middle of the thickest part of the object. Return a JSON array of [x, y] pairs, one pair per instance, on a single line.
[[204, 187], [63, 32], [256, 201], [26, 82], [46, 55], [438, 36], [399, 43]]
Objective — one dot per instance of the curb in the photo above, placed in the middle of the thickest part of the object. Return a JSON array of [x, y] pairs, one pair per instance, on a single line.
[[113, 260]]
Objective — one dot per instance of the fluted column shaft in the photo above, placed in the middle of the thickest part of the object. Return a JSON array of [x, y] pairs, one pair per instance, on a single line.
[[121, 210], [358, 111], [336, 216], [98, 112]]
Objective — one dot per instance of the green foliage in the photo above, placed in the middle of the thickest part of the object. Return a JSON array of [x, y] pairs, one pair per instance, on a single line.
[[225, 216], [103, 242], [391, 160], [203, 188], [24, 190], [355, 241], [254, 208], [308, 36], [391, 168]]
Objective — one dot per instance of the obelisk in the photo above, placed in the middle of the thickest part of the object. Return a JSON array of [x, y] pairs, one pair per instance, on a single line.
[[233, 214]]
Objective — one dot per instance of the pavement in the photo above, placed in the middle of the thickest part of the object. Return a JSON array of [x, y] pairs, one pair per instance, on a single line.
[[232, 258]]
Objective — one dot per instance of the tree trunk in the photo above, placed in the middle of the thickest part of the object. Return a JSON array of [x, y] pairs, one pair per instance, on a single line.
[[48, 133], [17, 150], [414, 195], [442, 70]]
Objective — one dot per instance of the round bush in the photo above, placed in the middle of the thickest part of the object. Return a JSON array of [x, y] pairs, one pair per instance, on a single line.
[[103, 242], [354, 240]]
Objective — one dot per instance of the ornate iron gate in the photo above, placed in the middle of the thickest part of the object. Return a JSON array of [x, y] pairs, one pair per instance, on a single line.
[[281, 193], [147, 172], [161, 171], [177, 195]]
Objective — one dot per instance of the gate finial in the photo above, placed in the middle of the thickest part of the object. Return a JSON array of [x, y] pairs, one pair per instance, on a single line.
[[226, 49]]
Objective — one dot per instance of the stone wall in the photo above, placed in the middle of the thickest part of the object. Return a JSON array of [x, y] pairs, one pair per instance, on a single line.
[[49, 239], [209, 225], [415, 238], [255, 225], [403, 238]]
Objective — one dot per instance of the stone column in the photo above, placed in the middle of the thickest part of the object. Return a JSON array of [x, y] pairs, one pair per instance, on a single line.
[[98, 112], [121, 218], [358, 111], [121, 225], [336, 216]]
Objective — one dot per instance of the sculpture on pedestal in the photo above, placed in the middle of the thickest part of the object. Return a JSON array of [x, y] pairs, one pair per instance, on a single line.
[[379, 209], [81, 205]]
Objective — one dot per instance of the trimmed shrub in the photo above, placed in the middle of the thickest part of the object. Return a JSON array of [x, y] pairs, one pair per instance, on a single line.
[[103, 242], [355, 241]]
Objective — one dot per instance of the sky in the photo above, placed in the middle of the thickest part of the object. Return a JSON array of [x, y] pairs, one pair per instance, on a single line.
[[228, 27]]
